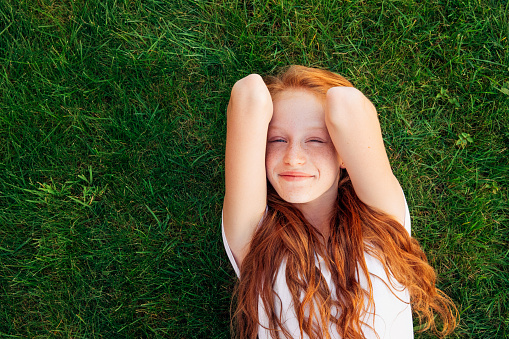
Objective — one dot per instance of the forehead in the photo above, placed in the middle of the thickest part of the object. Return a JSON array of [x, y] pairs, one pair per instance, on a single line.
[[298, 106]]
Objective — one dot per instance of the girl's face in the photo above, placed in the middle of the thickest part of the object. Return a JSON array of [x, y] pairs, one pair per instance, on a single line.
[[301, 162]]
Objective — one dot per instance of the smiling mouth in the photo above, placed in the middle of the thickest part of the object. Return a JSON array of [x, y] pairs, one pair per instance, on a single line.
[[295, 176]]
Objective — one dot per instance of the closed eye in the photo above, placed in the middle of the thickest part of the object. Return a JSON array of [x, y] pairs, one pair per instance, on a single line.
[[316, 140]]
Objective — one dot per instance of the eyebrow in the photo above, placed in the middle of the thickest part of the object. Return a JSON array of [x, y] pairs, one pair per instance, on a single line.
[[321, 128]]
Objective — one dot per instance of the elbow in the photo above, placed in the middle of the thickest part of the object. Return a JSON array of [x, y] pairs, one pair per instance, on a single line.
[[347, 105], [251, 88], [250, 97]]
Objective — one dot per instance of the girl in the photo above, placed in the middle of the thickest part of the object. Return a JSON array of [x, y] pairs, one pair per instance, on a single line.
[[315, 224]]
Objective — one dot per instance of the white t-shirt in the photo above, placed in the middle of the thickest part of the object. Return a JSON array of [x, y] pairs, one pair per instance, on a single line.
[[391, 318]]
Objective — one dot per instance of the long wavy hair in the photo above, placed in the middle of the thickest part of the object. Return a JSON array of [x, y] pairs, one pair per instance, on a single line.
[[285, 236]]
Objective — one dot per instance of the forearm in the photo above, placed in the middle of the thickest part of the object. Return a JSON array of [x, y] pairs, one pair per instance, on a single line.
[[248, 116], [353, 125]]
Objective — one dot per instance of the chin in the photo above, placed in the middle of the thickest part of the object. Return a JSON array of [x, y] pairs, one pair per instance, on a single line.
[[293, 199]]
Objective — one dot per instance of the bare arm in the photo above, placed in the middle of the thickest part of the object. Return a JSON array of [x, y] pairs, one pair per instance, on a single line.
[[248, 116], [355, 131]]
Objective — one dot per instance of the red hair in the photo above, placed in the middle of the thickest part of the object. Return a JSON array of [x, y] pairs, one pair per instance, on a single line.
[[355, 229]]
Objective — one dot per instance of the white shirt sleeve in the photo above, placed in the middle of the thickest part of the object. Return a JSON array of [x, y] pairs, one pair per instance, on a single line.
[[228, 250]]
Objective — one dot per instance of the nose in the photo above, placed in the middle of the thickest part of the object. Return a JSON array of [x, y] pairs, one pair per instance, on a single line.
[[295, 155]]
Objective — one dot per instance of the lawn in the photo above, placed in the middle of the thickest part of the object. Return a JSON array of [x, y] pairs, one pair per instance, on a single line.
[[112, 136]]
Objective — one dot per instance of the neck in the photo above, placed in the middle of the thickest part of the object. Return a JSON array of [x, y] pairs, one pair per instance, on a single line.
[[319, 212]]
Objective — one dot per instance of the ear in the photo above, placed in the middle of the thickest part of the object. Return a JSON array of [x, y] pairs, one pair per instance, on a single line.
[[341, 163]]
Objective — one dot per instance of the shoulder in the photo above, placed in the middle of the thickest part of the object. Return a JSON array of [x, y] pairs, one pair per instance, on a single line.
[[235, 262]]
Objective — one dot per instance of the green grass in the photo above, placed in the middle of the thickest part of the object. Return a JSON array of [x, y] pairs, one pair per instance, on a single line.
[[112, 134]]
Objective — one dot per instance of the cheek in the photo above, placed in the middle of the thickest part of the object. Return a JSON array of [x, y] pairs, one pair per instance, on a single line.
[[270, 162], [334, 159], [333, 156], [328, 159], [273, 154]]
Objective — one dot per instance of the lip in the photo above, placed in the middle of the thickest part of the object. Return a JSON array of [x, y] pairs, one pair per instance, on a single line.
[[295, 176]]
